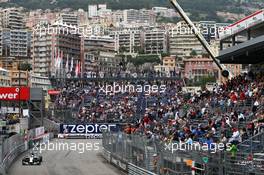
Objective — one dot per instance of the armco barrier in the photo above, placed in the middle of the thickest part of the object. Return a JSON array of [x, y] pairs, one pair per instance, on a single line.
[[135, 170], [13, 147], [116, 161], [10, 149], [8, 160], [138, 152], [123, 165]]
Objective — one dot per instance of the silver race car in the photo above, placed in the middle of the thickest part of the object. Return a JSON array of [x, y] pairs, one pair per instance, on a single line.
[[32, 159]]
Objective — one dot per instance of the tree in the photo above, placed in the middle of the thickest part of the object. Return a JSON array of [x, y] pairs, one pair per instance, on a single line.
[[142, 59], [25, 67], [202, 81], [138, 49], [122, 49], [193, 53]]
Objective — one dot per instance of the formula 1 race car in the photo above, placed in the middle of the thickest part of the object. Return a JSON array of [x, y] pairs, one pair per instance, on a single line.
[[32, 159]]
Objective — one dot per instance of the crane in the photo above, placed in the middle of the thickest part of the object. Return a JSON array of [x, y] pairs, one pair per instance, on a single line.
[[225, 73]]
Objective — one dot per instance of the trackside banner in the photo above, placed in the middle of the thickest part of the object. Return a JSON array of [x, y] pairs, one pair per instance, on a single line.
[[14, 93], [53, 92], [87, 128]]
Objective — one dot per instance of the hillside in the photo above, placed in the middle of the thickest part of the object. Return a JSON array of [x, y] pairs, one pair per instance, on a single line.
[[200, 9]]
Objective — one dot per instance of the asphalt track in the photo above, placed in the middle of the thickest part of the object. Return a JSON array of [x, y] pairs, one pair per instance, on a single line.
[[67, 162]]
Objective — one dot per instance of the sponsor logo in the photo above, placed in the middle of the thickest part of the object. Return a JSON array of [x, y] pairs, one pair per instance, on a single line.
[[53, 92], [87, 129], [14, 93]]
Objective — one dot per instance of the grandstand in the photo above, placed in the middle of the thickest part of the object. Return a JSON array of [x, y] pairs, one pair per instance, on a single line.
[[230, 113], [243, 41]]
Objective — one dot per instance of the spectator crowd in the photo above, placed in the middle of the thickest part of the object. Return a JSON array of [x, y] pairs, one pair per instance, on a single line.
[[231, 112]]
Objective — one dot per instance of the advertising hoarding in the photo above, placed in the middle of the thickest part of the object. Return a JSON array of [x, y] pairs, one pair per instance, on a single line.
[[243, 24], [15, 93]]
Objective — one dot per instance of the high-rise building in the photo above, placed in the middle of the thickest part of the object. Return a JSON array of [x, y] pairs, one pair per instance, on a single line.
[[127, 41], [15, 43], [94, 46], [82, 17], [1, 21], [39, 17], [1, 42], [139, 16], [5, 79], [69, 19], [155, 41], [102, 6], [37, 81], [92, 11], [99, 43], [118, 17], [46, 48], [12, 18], [182, 42], [109, 63], [210, 29]]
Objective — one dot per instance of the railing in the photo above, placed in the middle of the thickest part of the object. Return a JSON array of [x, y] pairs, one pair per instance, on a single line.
[[135, 170], [152, 156], [253, 144]]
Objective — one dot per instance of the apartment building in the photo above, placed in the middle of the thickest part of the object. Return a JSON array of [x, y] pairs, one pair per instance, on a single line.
[[100, 43], [92, 11], [103, 11], [45, 48], [38, 81], [19, 78], [19, 43], [210, 29], [109, 63], [69, 19], [13, 18], [118, 17], [12, 75], [155, 41], [1, 42], [182, 42], [39, 17], [139, 16], [93, 46], [169, 66], [5, 79], [198, 67], [15, 43], [127, 40], [82, 17]]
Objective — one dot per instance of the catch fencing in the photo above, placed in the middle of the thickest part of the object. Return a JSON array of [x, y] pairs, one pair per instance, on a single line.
[[138, 152], [10, 149], [17, 144]]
